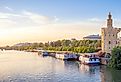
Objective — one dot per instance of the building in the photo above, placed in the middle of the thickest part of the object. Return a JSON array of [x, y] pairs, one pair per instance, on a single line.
[[109, 36], [92, 37], [23, 44]]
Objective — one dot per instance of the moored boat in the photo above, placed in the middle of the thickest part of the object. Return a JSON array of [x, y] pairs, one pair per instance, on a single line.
[[43, 53], [89, 58], [66, 56]]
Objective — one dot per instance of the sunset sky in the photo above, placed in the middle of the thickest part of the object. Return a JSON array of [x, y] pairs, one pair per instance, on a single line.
[[50, 20]]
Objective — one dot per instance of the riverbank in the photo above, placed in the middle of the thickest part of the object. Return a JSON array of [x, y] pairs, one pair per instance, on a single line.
[[68, 55]]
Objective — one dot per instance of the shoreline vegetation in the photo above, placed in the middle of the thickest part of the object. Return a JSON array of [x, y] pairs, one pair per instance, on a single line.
[[73, 45], [77, 46], [115, 59]]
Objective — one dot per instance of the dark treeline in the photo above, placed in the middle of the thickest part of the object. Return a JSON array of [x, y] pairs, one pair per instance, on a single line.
[[79, 46]]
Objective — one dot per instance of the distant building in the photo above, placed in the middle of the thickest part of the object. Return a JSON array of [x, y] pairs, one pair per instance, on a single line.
[[109, 36], [23, 44], [92, 37]]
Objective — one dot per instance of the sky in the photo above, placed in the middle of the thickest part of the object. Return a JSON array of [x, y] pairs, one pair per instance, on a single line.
[[50, 20]]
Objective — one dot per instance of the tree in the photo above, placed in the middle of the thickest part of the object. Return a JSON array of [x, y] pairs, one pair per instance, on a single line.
[[66, 42], [41, 44], [115, 61], [78, 46], [47, 44]]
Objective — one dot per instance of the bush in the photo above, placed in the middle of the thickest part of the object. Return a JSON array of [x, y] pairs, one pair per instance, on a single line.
[[115, 61]]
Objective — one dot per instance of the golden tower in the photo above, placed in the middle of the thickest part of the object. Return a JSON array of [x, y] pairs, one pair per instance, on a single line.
[[109, 36]]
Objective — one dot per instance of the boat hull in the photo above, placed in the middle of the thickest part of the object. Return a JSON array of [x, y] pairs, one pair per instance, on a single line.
[[95, 63]]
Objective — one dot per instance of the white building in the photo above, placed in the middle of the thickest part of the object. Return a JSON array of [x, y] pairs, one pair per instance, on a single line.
[[92, 37]]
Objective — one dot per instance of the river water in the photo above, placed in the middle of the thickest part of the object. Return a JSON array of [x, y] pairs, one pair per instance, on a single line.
[[20, 66]]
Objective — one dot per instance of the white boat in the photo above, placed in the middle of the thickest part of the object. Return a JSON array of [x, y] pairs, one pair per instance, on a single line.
[[89, 58], [65, 56]]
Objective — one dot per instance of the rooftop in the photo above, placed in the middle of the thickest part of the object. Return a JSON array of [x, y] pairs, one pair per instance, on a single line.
[[95, 37]]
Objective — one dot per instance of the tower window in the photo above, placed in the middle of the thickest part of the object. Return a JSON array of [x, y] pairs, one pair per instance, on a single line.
[[109, 42]]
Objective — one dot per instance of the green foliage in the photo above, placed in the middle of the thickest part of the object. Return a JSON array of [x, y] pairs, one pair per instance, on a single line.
[[115, 61], [78, 46]]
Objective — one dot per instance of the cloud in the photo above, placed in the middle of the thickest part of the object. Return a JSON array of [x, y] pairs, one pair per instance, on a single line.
[[24, 19], [8, 15], [37, 18], [8, 8], [117, 23], [56, 19], [6, 19], [30, 26], [95, 19]]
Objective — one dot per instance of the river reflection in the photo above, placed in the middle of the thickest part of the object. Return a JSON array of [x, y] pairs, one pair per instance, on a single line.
[[19, 66], [110, 75]]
